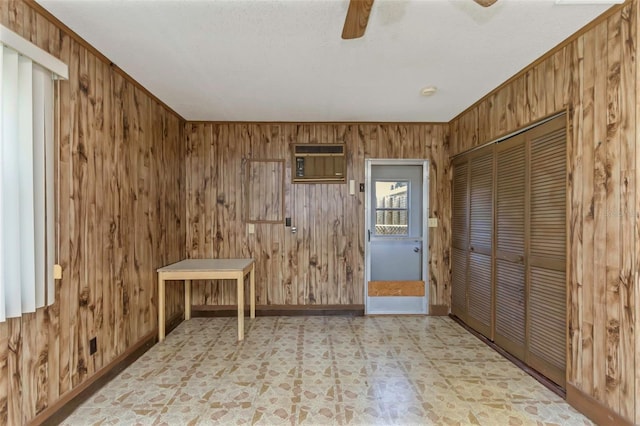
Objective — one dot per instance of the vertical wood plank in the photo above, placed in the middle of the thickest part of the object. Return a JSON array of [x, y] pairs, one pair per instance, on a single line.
[[64, 178], [600, 214], [4, 373], [101, 226], [90, 268], [27, 366], [110, 222], [14, 372], [41, 361], [16, 20], [613, 374], [4, 13], [587, 132], [557, 102], [53, 311], [635, 296], [484, 135], [574, 193], [628, 31], [209, 199], [76, 222], [522, 113]]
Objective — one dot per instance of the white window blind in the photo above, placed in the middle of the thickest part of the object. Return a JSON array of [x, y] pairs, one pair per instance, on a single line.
[[27, 237]]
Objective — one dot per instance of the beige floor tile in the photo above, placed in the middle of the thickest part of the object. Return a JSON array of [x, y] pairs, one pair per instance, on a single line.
[[364, 413], [319, 415], [324, 371], [274, 414]]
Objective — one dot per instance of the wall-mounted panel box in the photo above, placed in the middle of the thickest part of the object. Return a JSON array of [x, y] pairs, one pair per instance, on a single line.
[[318, 163]]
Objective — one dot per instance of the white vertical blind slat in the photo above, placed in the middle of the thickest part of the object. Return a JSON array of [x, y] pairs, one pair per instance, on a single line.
[[10, 184], [25, 184], [3, 315], [39, 185], [49, 146]]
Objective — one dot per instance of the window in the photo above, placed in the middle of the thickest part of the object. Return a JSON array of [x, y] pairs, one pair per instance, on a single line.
[[392, 208], [26, 174]]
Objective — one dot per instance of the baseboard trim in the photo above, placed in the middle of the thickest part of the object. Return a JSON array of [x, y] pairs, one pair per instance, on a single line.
[[64, 406], [279, 310], [595, 410], [438, 310]]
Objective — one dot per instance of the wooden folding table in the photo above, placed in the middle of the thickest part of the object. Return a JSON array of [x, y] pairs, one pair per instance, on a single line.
[[207, 269]]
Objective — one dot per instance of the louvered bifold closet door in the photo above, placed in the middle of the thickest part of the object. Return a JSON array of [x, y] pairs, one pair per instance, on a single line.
[[460, 239], [547, 255], [510, 247], [479, 294]]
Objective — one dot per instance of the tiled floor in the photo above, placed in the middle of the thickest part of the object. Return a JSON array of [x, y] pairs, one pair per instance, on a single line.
[[324, 370]]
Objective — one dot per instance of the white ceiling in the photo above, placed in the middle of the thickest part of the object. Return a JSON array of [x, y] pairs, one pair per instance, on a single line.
[[284, 60]]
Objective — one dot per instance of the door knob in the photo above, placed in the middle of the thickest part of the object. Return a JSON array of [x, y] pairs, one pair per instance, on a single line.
[[416, 249]]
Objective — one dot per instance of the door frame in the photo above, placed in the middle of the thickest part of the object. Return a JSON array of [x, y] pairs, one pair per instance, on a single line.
[[369, 162]]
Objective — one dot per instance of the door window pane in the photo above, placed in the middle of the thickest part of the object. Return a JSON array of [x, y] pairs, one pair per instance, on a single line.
[[392, 208]]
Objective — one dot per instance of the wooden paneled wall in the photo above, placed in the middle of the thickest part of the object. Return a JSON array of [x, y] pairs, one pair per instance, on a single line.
[[324, 262], [595, 77], [120, 216]]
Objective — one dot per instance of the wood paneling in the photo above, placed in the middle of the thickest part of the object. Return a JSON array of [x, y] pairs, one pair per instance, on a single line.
[[593, 75], [323, 263], [120, 215]]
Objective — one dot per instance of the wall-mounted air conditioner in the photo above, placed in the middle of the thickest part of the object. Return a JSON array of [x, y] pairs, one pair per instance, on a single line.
[[318, 163]]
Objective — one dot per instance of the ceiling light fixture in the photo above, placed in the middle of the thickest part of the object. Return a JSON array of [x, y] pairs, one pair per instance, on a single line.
[[429, 91]]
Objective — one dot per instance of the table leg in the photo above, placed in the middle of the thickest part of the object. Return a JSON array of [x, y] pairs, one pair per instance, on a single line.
[[240, 285], [187, 299], [252, 291], [160, 308]]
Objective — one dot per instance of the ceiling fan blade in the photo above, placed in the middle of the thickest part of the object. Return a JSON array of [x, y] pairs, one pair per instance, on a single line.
[[357, 18], [485, 3]]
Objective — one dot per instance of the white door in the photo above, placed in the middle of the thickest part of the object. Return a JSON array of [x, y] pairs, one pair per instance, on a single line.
[[396, 237]]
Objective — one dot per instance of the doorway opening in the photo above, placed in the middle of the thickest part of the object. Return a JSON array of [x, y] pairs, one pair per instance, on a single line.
[[396, 236]]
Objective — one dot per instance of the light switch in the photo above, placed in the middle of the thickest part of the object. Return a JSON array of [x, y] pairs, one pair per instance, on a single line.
[[57, 272], [352, 187], [251, 228], [433, 222]]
